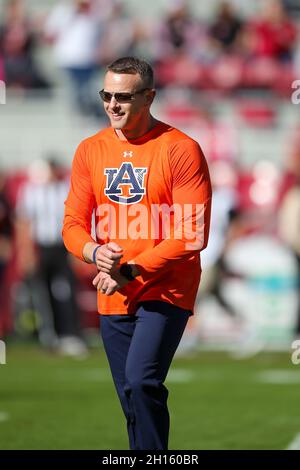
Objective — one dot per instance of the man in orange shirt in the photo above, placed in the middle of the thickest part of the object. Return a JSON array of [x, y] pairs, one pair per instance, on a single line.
[[149, 187]]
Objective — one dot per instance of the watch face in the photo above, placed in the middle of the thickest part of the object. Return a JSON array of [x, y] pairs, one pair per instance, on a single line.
[[126, 271]]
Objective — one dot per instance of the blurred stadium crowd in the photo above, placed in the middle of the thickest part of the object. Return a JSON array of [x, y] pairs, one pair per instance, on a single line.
[[216, 80]]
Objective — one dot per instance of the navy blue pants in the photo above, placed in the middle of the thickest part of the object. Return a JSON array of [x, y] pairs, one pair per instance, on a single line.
[[140, 349]]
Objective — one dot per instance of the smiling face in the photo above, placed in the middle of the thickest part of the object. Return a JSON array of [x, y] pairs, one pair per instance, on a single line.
[[132, 117]]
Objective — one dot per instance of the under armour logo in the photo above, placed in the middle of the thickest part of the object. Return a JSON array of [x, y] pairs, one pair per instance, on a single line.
[[127, 153], [124, 185]]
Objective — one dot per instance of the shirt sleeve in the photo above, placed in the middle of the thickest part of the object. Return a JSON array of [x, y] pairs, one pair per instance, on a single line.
[[79, 206], [191, 195]]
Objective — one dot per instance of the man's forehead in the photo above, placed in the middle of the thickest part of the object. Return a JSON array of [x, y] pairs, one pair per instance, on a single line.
[[120, 81]]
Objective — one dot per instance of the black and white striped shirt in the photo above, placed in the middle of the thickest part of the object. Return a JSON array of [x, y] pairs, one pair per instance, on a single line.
[[43, 206]]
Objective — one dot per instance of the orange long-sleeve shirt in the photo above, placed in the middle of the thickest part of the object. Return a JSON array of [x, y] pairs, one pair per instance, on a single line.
[[152, 196]]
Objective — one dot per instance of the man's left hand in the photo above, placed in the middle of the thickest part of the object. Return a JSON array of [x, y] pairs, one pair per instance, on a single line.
[[109, 285]]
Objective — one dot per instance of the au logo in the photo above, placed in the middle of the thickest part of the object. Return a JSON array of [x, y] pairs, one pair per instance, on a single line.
[[125, 185]]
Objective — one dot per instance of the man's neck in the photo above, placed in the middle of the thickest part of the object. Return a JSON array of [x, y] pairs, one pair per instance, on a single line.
[[135, 135]]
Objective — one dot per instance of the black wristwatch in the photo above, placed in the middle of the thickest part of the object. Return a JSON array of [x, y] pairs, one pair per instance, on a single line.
[[126, 271]]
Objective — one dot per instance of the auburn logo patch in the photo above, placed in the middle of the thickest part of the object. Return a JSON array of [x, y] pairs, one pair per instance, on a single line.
[[125, 185]]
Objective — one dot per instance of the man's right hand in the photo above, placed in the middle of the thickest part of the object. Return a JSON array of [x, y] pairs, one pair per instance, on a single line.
[[107, 256]]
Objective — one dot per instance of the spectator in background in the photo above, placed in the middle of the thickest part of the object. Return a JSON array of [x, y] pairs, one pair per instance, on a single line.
[[1, 67], [273, 36], [289, 209], [6, 236], [6, 227], [180, 44], [289, 231], [291, 166], [178, 33], [17, 47], [75, 29], [113, 43], [226, 27], [292, 7], [44, 260], [223, 218]]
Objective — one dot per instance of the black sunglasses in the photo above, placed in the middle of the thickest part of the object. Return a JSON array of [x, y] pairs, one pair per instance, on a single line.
[[120, 97]]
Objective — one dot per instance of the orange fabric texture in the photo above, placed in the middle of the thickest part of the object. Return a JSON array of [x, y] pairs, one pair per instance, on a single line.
[[152, 196]]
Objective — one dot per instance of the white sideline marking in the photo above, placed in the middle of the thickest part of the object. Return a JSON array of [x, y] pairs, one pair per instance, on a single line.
[[3, 416], [295, 444], [279, 376]]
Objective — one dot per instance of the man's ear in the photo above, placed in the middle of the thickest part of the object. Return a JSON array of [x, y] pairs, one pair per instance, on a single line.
[[150, 95]]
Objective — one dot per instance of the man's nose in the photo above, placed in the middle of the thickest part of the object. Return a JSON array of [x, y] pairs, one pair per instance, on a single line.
[[114, 105], [113, 102]]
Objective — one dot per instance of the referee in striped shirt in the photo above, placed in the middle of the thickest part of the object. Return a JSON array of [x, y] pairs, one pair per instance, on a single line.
[[44, 260]]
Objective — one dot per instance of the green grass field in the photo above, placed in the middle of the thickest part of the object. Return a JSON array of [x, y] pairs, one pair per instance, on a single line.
[[51, 402]]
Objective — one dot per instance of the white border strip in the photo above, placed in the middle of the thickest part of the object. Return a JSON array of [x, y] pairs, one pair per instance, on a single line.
[[295, 444]]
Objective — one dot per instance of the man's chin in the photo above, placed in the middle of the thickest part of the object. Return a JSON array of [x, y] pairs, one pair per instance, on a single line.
[[117, 125]]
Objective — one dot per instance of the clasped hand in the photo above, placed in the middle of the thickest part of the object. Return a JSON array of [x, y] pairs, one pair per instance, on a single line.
[[108, 279]]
